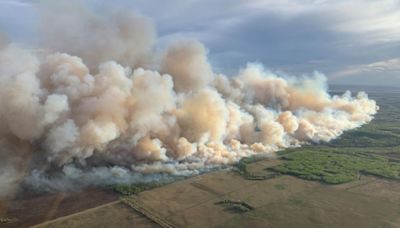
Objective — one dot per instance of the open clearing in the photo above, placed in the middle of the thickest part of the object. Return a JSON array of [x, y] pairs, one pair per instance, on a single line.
[[115, 214], [28, 209], [283, 201]]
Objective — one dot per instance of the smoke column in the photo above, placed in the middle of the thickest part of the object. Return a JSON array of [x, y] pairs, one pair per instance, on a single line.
[[99, 105]]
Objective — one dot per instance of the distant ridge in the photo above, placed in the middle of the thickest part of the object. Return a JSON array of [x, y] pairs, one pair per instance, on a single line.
[[366, 88]]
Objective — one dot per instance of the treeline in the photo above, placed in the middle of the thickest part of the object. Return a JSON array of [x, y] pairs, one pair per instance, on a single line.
[[241, 168], [333, 167], [237, 206], [135, 188]]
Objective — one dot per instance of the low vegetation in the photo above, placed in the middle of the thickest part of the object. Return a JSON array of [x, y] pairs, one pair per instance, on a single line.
[[135, 188], [280, 186], [132, 203], [6, 220], [296, 201], [332, 167], [377, 134], [235, 206], [241, 168]]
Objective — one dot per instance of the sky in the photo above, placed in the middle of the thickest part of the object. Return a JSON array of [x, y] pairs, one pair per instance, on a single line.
[[352, 42]]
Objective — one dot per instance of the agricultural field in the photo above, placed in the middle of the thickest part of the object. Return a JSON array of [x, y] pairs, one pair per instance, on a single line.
[[283, 201], [115, 214], [27, 209]]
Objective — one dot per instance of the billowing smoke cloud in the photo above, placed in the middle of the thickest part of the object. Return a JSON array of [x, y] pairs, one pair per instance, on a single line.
[[107, 35], [101, 106]]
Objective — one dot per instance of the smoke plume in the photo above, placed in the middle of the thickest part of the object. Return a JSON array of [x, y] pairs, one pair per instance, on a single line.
[[100, 106]]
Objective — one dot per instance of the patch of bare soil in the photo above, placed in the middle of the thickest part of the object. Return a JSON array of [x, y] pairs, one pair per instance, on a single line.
[[27, 209]]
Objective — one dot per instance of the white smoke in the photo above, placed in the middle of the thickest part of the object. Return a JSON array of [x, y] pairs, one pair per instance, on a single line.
[[98, 118]]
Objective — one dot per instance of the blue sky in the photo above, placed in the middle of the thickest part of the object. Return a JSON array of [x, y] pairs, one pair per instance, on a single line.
[[350, 41]]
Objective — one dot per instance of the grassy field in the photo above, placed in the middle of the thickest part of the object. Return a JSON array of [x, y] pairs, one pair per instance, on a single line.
[[333, 166], [283, 201], [115, 214], [135, 188], [211, 200]]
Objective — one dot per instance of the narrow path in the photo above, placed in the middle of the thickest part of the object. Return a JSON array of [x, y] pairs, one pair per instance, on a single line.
[[73, 215], [134, 204], [54, 207]]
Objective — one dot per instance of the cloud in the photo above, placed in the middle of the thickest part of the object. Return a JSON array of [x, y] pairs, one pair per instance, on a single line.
[[288, 35], [291, 35], [17, 3], [17, 20], [390, 65], [377, 22]]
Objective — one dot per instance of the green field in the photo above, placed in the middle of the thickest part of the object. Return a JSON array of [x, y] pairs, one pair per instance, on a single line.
[[335, 166]]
